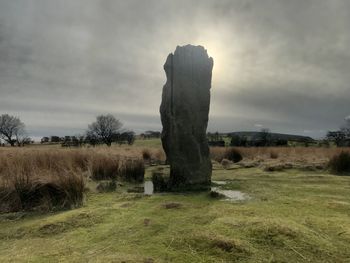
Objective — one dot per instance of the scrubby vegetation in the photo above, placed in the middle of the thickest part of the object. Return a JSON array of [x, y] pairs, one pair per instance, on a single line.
[[233, 155], [221, 153], [146, 154], [340, 164], [273, 155], [104, 167], [48, 179], [107, 186], [160, 182], [132, 170], [297, 211], [40, 180]]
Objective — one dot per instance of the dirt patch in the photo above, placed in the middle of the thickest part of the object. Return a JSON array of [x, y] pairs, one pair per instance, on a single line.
[[273, 234], [126, 205], [53, 229], [172, 205], [227, 245], [224, 247], [146, 221], [216, 195], [80, 220]]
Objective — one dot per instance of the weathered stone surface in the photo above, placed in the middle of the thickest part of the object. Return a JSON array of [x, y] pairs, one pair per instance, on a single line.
[[184, 114]]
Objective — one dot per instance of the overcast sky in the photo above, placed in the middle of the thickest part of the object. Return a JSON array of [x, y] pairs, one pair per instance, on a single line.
[[280, 64]]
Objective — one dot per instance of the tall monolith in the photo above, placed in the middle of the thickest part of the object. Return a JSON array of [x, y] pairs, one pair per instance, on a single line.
[[184, 114]]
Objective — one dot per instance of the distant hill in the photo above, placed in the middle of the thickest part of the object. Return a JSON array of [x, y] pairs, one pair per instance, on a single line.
[[251, 135]]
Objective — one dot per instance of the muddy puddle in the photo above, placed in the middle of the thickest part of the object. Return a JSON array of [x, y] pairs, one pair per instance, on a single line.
[[230, 195]]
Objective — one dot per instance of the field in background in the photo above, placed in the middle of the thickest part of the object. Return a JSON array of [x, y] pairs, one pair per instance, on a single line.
[[284, 154], [13, 160]]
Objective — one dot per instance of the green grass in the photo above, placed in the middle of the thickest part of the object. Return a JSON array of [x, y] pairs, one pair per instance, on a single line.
[[292, 217], [155, 143]]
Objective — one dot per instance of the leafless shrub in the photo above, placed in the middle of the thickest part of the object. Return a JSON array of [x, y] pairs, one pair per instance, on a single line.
[[273, 155]]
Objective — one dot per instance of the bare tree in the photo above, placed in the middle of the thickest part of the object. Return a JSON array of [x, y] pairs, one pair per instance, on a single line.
[[104, 129], [342, 136], [12, 130], [346, 127], [21, 136], [337, 137]]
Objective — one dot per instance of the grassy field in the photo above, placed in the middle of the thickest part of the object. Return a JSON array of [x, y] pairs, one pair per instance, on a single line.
[[297, 211], [292, 217], [148, 143]]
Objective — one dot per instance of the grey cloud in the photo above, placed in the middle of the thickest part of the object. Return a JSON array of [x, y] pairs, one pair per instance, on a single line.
[[281, 64]]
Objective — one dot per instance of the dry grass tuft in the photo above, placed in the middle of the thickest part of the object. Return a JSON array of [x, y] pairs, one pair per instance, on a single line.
[[340, 164], [103, 167], [298, 156], [132, 170], [48, 178], [146, 154], [220, 153], [54, 178], [44, 193], [273, 155], [226, 163]]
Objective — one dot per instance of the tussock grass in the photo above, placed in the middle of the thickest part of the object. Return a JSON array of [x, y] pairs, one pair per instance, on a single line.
[[48, 174], [63, 190], [43, 180], [220, 153], [48, 178], [103, 167], [280, 158], [273, 155], [226, 163], [146, 154], [132, 170], [285, 153], [340, 163]]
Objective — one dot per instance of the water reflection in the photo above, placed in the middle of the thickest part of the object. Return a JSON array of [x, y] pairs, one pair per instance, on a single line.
[[148, 188], [220, 182], [231, 195]]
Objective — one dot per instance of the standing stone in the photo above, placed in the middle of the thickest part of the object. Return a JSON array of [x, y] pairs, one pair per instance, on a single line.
[[184, 113]]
